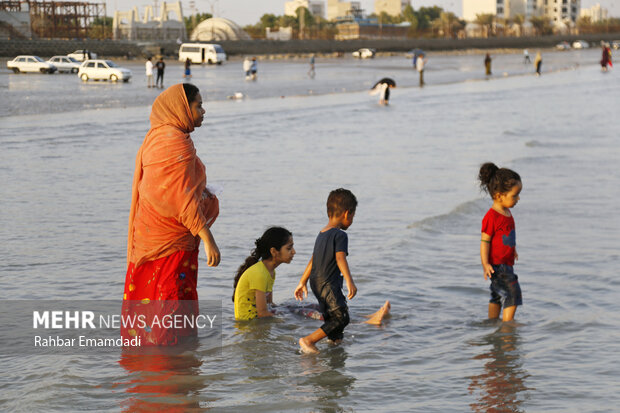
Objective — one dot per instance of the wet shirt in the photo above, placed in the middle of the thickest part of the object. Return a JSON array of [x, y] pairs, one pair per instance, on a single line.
[[501, 229], [256, 277], [325, 271]]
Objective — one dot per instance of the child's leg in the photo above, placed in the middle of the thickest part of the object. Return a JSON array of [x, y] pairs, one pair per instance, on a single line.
[[494, 310], [308, 343], [377, 317], [509, 313]]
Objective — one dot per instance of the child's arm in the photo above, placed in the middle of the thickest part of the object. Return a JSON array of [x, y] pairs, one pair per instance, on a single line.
[[302, 291], [343, 266], [485, 248], [261, 304]]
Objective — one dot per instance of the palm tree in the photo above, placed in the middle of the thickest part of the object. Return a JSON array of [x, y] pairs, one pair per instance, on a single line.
[[485, 20], [519, 19]]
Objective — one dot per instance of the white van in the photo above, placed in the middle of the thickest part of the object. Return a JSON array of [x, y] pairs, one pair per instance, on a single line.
[[202, 53]]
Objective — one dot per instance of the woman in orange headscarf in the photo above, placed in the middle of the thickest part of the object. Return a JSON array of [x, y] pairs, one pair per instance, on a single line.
[[171, 211]]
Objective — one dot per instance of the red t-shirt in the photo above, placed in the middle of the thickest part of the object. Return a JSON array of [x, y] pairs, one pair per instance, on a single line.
[[501, 229]]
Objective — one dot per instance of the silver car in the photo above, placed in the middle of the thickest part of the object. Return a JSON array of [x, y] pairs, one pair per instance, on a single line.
[[65, 64]]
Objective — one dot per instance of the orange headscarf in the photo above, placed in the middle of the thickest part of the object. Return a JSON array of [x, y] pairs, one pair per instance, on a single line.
[[167, 205]]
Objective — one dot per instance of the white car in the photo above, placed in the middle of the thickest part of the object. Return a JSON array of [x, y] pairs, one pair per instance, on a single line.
[[615, 44], [30, 64], [563, 46], [65, 64], [580, 44], [364, 53], [103, 70], [81, 55]]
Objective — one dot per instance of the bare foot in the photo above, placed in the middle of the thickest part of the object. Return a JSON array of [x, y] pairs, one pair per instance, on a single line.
[[307, 347], [377, 317]]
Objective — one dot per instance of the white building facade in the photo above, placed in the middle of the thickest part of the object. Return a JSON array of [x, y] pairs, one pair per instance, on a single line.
[[337, 8], [317, 8], [562, 11], [391, 7], [596, 13]]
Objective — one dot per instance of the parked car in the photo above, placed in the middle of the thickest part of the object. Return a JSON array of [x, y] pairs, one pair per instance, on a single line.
[[30, 64], [615, 44], [103, 70], [364, 53], [580, 44], [563, 46], [82, 54], [65, 64]]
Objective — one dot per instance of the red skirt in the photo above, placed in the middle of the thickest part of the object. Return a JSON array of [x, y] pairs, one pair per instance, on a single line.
[[156, 291]]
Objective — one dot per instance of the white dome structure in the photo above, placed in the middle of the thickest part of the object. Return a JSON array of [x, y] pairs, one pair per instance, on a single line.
[[218, 29]]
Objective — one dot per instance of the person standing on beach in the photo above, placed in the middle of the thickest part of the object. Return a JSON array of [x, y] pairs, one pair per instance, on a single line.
[[188, 71], [538, 63], [247, 66], [311, 72], [419, 64], [606, 59], [254, 69], [149, 72], [171, 211], [498, 251], [161, 66], [526, 56], [487, 64]]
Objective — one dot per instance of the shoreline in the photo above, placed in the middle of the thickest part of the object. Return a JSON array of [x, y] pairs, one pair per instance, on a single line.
[[272, 49]]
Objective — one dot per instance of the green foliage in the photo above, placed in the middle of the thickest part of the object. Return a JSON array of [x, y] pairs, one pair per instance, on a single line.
[[102, 21], [542, 25], [194, 20]]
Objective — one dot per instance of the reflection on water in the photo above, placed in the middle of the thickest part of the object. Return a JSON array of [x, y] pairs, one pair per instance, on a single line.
[[501, 387], [162, 382], [325, 374]]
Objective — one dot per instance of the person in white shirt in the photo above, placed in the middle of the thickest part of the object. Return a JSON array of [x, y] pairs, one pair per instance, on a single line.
[[149, 72], [419, 64]]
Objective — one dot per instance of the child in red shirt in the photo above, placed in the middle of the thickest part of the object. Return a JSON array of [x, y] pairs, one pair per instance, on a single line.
[[498, 242]]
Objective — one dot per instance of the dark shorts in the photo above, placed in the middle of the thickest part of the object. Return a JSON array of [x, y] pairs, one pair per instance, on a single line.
[[333, 306], [505, 288]]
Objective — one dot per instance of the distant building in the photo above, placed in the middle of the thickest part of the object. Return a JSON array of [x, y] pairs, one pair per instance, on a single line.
[[317, 8], [391, 7], [562, 12], [339, 9], [559, 11], [127, 25], [282, 34], [473, 7], [217, 29], [596, 13]]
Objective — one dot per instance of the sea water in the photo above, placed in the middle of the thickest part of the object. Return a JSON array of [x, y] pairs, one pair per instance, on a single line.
[[67, 160]]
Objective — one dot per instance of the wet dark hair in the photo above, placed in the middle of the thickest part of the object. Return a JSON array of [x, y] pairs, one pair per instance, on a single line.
[[496, 180], [274, 237], [339, 201], [190, 92]]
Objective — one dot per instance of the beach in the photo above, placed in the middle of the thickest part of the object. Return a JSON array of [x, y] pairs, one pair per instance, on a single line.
[[66, 170]]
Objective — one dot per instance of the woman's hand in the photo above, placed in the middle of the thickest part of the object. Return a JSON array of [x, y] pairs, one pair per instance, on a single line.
[[211, 249]]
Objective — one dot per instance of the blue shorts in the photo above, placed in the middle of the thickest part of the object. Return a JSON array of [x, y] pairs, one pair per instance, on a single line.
[[187, 72], [505, 288]]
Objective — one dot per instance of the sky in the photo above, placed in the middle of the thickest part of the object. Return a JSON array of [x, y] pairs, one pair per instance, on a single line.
[[244, 12]]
